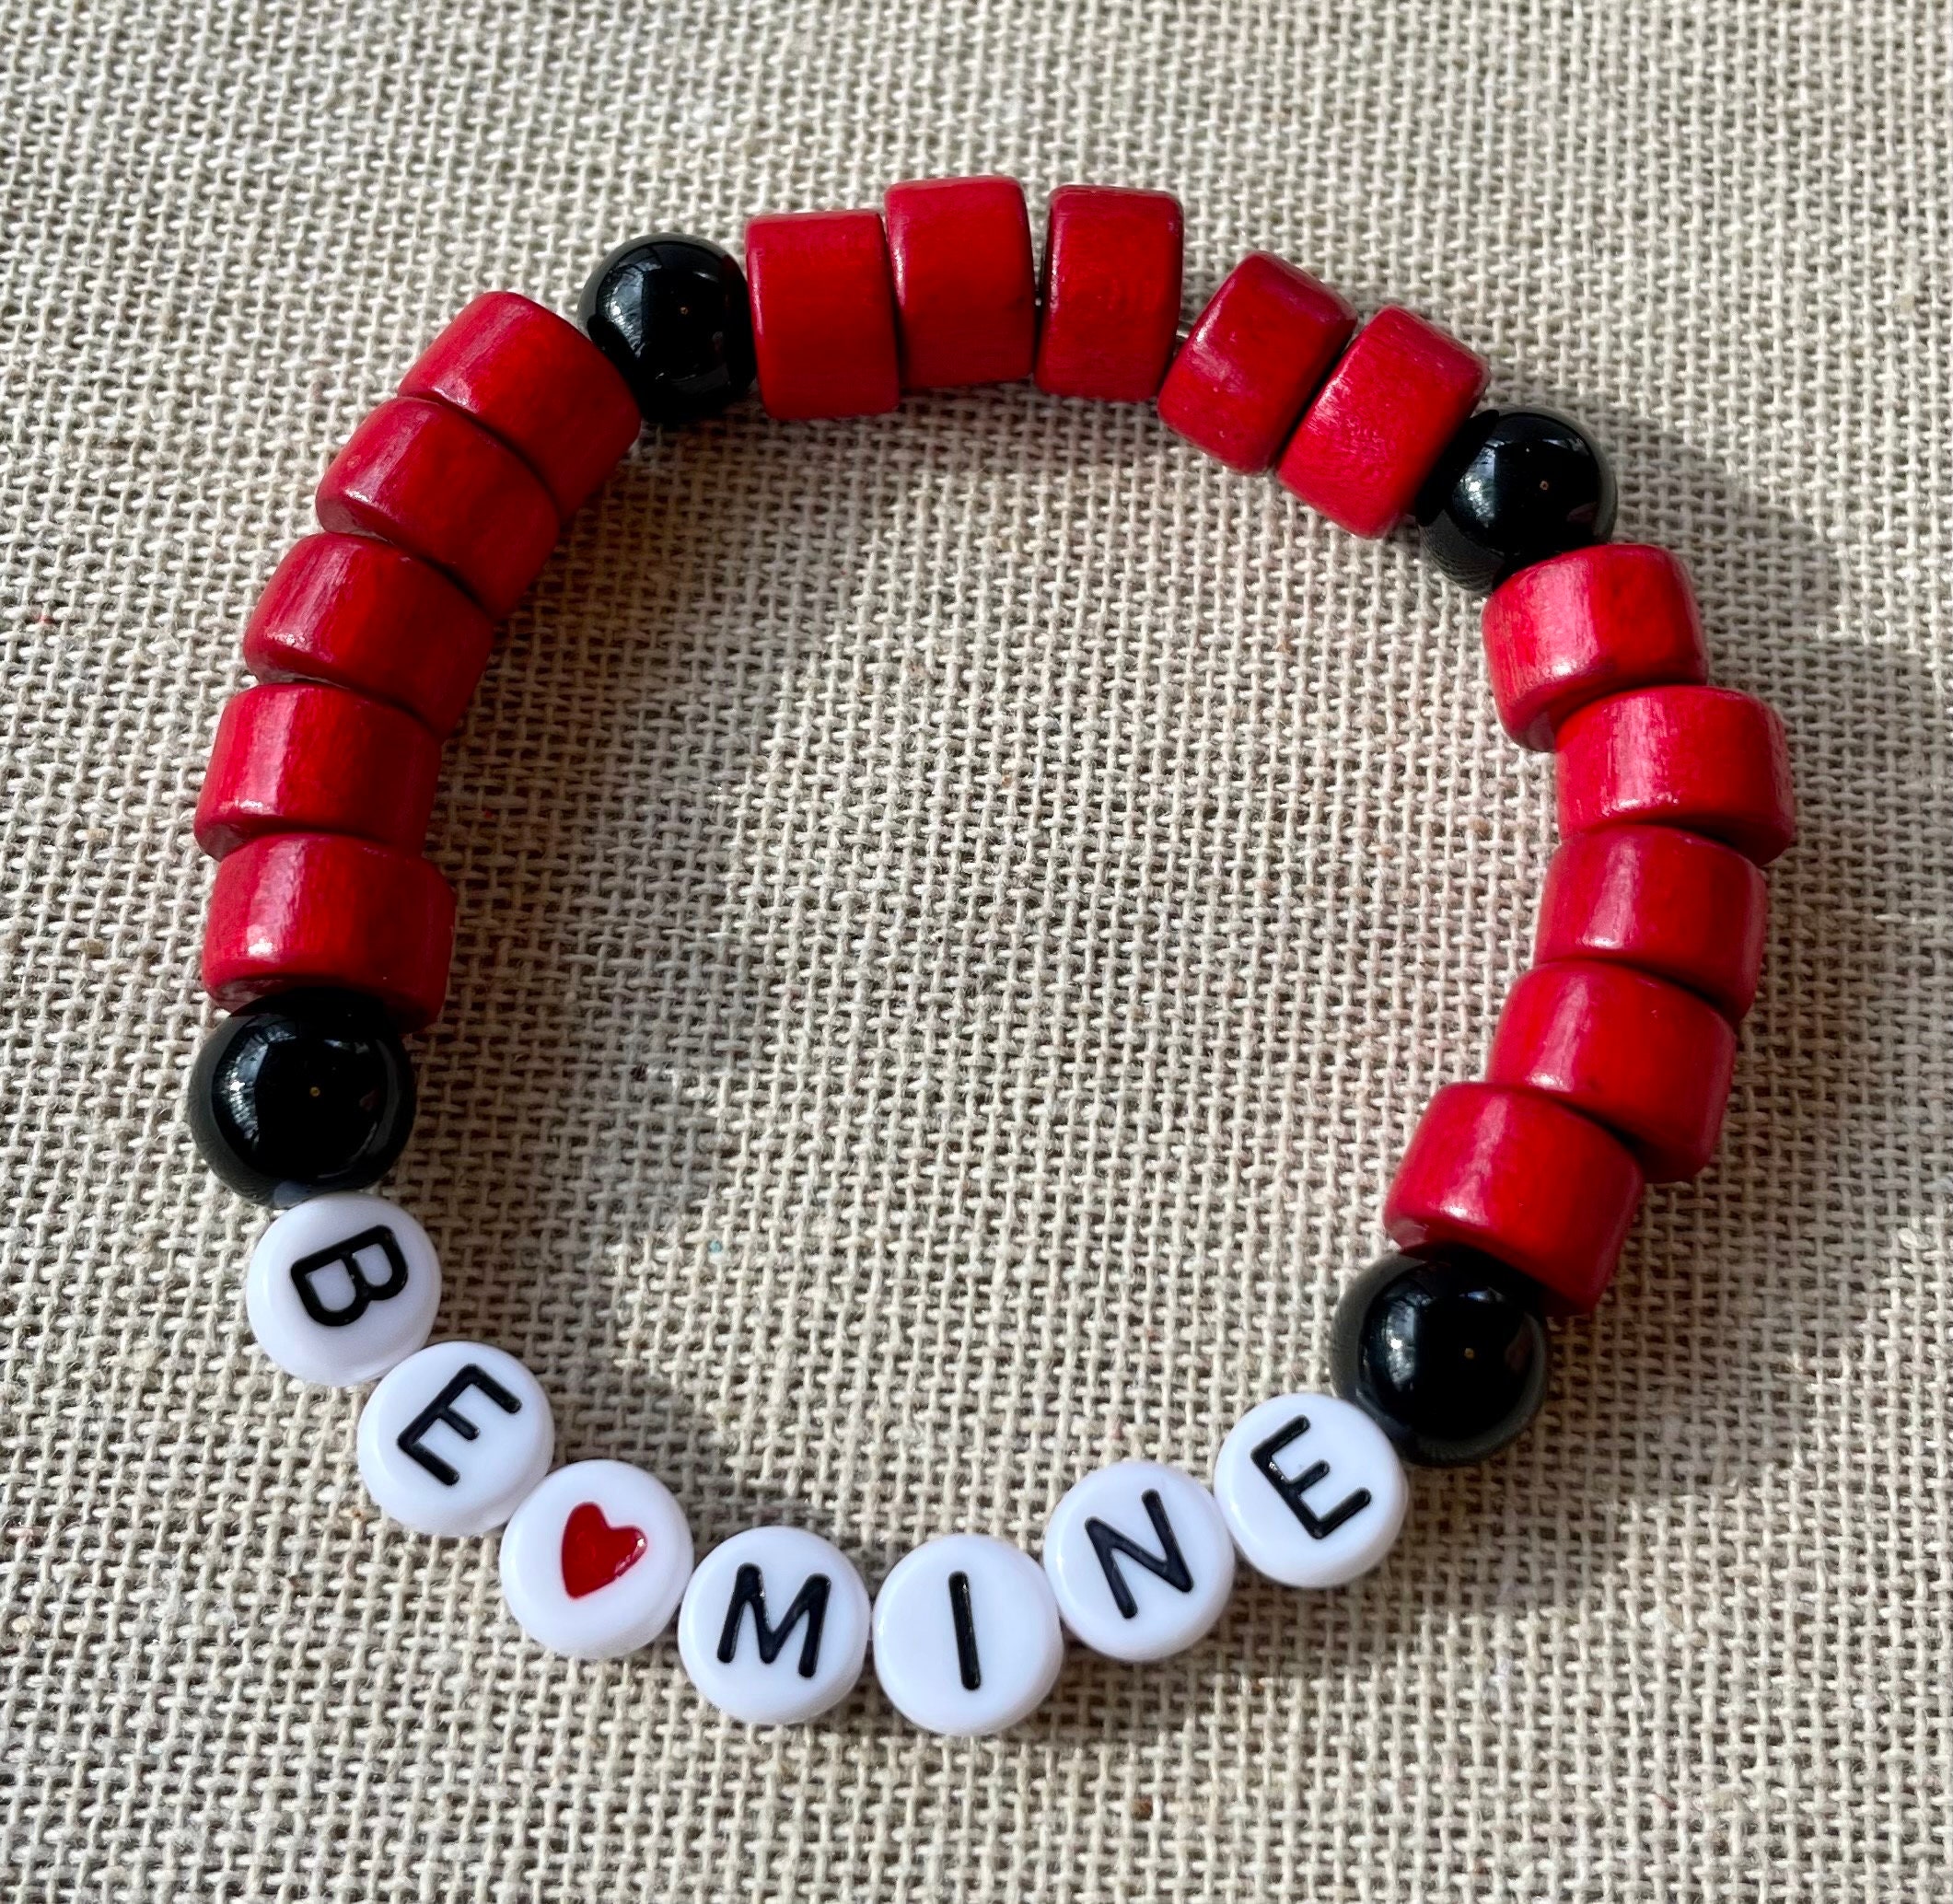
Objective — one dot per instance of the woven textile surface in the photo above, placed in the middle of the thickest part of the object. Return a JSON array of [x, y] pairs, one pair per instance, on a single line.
[[960, 911]]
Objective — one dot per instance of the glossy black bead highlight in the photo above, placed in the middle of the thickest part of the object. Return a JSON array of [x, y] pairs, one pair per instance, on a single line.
[[671, 314], [301, 1093], [1514, 487], [1447, 1355]]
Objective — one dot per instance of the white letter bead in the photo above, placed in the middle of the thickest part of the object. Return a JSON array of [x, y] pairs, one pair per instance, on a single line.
[[1140, 1560], [454, 1437], [595, 1561], [1312, 1489], [342, 1288], [967, 1638], [774, 1626]]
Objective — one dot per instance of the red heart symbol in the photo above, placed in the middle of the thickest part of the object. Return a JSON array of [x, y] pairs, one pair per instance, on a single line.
[[594, 1552]]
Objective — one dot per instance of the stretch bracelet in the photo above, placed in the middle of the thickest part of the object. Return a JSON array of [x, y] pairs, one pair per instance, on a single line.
[[330, 935]]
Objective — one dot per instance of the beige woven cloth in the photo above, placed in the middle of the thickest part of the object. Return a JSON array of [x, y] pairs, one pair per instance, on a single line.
[[960, 912]]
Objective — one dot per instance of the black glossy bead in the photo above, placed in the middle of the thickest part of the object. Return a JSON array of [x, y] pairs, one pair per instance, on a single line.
[[671, 314], [301, 1093], [1512, 488], [1447, 1355]]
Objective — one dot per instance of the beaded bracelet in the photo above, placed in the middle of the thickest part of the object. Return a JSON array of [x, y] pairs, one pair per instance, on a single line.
[[328, 935]]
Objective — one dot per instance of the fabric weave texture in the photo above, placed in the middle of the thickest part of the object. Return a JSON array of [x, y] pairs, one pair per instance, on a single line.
[[960, 913]]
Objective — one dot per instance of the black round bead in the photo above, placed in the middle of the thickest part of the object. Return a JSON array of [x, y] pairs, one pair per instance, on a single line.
[[1514, 487], [671, 314], [300, 1093], [1446, 1355]]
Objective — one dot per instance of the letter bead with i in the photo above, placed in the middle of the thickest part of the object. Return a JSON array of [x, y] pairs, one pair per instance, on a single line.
[[967, 1636]]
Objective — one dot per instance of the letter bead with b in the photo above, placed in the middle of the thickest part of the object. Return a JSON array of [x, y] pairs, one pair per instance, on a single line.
[[342, 1288]]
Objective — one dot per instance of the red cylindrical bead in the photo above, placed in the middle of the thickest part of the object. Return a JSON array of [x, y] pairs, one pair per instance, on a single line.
[[1522, 1179], [1253, 359], [421, 475], [1111, 293], [376, 619], [1647, 1059], [1663, 901], [1591, 623], [362, 615], [823, 314], [325, 908], [298, 756], [1707, 759], [1381, 421], [966, 291], [539, 384]]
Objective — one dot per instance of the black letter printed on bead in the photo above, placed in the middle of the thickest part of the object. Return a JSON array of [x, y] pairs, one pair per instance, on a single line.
[[748, 1590], [1317, 1526], [442, 1410], [969, 1666], [346, 1255], [1169, 1564]]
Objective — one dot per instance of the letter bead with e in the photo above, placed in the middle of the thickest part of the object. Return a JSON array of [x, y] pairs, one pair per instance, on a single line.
[[453, 1438], [1312, 1489]]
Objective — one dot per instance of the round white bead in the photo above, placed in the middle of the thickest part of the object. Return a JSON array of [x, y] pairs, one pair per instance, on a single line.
[[454, 1437], [1140, 1560], [1312, 1489], [774, 1626], [342, 1288], [967, 1638], [595, 1559]]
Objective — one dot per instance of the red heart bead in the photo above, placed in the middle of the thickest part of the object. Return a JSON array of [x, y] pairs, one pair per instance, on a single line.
[[594, 1552]]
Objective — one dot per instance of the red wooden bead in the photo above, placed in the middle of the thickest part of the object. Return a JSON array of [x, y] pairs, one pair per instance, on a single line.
[[302, 758], [1522, 1179], [353, 612], [419, 474], [1707, 759], [1253, 359], [1381, 421], [325, 908], [966, 292], [1662, 900], [540, 385], [1111, 293], [1590, 622], [823, 314], [1647, 1059]]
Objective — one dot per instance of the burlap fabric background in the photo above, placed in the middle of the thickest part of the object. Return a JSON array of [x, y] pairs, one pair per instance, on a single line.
[[960, 913]]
